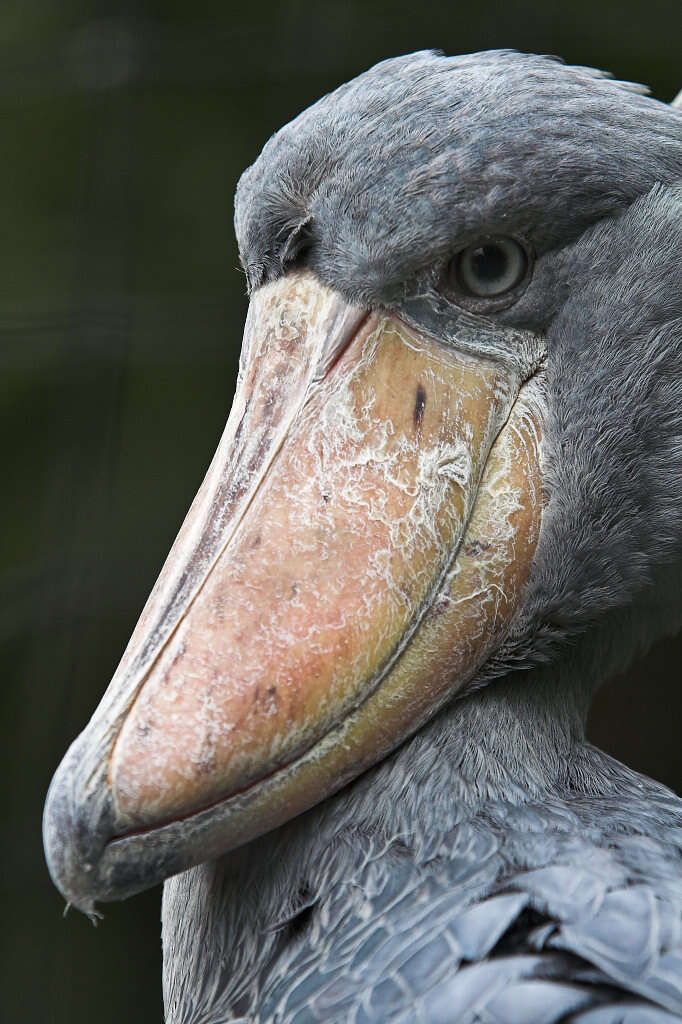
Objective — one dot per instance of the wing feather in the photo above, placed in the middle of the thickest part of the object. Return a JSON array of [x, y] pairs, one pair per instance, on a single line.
[[557, 914]]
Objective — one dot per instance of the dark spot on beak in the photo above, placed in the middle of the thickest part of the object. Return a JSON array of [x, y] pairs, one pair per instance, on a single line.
[[476, 547], [268, 701], [272, 702], [419, 406]]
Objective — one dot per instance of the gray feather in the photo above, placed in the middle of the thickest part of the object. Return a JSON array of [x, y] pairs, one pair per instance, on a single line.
[[496, 868]]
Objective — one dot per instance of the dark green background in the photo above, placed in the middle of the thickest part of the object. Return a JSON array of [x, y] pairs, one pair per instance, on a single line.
[[124, 130]]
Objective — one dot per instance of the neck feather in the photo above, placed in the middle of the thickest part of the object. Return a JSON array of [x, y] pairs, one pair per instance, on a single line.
[[516, 740]]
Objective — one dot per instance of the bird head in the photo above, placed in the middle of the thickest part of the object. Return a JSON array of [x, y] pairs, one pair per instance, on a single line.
[[449, 450]]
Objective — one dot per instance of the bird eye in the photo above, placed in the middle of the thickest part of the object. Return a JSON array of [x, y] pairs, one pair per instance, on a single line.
[[489, 268]]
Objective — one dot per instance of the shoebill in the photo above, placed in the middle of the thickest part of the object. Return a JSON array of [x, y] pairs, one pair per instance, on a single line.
[[349, 728]]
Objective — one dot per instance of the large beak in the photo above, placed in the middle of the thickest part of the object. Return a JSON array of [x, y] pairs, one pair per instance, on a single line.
[[355, 553]]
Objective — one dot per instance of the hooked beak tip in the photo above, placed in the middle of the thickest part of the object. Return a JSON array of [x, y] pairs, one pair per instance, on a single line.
[[68, 858], [78, 824]]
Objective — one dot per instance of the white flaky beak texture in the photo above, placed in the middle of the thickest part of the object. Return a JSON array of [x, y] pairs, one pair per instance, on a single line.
[[355, 553]]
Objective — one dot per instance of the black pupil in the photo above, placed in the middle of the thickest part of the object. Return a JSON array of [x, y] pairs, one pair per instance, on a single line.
[[489, 262]]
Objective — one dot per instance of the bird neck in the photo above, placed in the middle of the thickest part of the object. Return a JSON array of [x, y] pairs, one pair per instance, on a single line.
[[514, 741]]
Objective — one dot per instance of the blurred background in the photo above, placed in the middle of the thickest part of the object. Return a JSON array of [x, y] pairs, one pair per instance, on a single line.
[[125, 127]]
